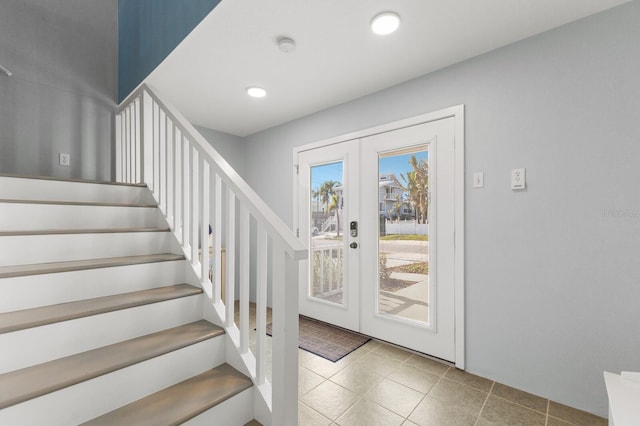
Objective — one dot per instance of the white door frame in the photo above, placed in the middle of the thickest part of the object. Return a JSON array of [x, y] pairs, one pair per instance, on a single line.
[[457, 112]]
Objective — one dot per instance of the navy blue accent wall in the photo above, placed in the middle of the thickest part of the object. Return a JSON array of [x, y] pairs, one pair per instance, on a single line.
[[148, 30]]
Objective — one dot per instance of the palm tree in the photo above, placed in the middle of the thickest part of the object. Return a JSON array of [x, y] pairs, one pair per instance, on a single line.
[[397, 205], [326, 191], [417, 185], [335, 200]]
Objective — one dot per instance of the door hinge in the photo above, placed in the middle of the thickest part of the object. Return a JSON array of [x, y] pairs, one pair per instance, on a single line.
[[297, 169], [298, 232]]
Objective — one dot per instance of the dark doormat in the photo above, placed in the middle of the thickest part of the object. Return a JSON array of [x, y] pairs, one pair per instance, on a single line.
[[325, 340]]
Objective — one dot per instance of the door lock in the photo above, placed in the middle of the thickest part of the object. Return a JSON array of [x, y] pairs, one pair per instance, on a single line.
[[353, 228], [353, 245]]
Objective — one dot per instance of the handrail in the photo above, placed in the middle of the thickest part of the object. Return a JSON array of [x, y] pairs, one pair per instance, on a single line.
[[195, 188], [257, 206]]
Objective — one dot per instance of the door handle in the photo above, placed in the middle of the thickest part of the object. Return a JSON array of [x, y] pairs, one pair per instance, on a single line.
[[353, 245]]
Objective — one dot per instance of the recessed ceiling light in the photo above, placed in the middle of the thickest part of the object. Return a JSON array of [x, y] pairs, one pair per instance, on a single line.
[[385, 23], [256, 92]]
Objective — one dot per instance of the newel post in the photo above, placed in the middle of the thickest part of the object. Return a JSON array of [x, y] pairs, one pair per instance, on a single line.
[[285, 337], [146, 147]]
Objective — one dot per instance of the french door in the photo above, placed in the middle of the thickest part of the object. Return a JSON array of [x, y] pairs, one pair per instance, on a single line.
[[378, 216]]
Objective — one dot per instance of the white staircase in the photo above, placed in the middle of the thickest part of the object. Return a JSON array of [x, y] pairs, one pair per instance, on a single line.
[[102, 320]]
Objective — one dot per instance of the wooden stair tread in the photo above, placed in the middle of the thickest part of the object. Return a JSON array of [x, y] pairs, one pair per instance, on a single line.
[[31, 382], [99, 182], [76, 265], [82, 231], [181, 402], [77, 203], [34, 317]]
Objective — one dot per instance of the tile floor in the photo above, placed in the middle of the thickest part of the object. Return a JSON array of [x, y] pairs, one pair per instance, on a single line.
[[380, 384]]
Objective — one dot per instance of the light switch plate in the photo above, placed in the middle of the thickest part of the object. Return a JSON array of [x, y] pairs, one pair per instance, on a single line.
[[478, 180], [65, 159], [518, 179]]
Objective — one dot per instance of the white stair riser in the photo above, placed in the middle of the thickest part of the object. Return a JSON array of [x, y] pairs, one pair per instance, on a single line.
[[237, 410], [33, 217], [49, 289], [36, 345], [29, 249], [52, 190], [92, 398]]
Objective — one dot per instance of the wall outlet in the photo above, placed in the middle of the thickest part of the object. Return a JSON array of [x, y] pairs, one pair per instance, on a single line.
[[65, 159], [518, 179]]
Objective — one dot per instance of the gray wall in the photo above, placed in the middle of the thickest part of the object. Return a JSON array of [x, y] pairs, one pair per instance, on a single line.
[[63, 54], [552, 283], [229, 146]]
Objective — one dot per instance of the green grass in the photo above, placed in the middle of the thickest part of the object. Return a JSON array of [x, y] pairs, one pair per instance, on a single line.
[[406, 237], [414, 268]]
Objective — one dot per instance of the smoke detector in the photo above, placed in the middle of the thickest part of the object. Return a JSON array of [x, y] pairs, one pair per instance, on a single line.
[[286, 45]]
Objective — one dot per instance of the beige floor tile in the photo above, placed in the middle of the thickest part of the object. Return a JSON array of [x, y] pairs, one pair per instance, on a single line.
[[552, 421], [395, 397], [307, 380], [468, 379], [358, 353], [330, 399], [460, 396], [372, 344], [357, 378], [498, 411], [414, 378], [409, 423], [574, 416], [324, 367], [392, 352], [427, 364], [304, 355], [520, 397], [378, 364], [431, 411], [307, 416], [366, 413]]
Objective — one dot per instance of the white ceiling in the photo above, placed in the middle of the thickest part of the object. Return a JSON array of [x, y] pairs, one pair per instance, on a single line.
[[337, 57]]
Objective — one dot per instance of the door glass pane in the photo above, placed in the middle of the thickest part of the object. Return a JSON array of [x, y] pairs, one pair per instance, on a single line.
[[403, 234], [326, 226]]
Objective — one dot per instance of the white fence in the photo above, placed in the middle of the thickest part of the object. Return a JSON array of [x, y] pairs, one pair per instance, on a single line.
[[406, 227]]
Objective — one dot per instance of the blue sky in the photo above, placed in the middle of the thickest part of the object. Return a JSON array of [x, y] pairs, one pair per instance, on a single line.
[[395, 164]]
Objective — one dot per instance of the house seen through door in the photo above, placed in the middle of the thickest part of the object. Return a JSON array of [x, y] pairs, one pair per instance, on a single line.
[[378, 216]]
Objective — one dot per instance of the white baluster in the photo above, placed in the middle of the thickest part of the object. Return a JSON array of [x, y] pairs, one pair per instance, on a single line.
[[194, 207], [261, 306], [245, 246], [136, 139], [119, 140], [217, 240], [170, 173], [186, 199], [162, 170], [204, 222], [147, 122], [231, 256], [156, 150], [127, 121], [177, 187]]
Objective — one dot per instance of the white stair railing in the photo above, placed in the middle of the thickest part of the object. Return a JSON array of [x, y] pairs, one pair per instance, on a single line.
[[196, 188]]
